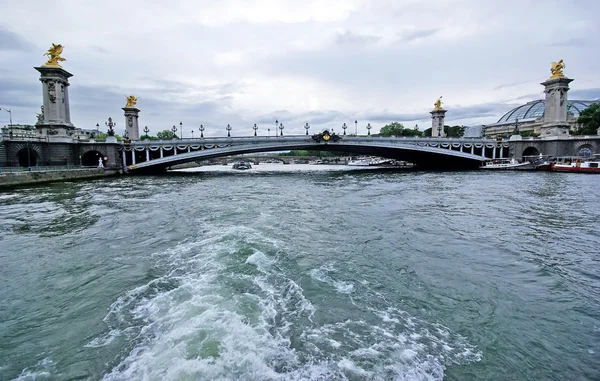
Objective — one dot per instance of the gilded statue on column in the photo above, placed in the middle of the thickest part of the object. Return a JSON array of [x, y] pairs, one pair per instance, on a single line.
[[54, 55], [131, 101], [556, 68], [438, 104]]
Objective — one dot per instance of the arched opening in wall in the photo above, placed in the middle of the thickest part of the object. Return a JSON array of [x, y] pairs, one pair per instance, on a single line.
[[585, 151], [27, 157], [92, 159], [531, 151]]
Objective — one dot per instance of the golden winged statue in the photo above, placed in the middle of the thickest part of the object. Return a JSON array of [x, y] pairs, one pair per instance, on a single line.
[[54, 55], [131, 101], [438, 104], [556, 68]]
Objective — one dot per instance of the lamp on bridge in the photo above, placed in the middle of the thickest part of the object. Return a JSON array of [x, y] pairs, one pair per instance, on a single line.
[[344, 128], [181, 129], [202, 131], [281, 128], [369, 129], [146, 130], [255, 127], [97, 129], [306, 127], [355, 127], [276, 124], [228, 128], [174, 129]]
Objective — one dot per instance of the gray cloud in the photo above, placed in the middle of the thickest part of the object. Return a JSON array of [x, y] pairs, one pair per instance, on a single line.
[[571, 42], [350, 38], [417, 34], [585, 94], [11, 41]]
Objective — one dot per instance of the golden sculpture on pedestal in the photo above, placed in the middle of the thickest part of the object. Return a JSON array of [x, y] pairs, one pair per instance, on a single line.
[[131, 101], [438, 104], [54, 55], [556, 68]]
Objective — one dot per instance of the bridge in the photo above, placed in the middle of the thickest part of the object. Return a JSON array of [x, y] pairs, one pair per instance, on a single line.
[[431, 153]]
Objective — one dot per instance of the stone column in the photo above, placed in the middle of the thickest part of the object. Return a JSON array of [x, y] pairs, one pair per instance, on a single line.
[[555, 110], [131, 122], [437, 121], [55, 119]]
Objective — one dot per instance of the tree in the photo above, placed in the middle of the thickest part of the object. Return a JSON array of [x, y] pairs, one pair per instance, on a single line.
[[451, 131], [398, 129], [589, 120], [148, 137], [166, 135]]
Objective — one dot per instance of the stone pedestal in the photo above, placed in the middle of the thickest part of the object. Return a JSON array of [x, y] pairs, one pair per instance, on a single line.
[[111, 139], [131, 122], [55, 119], [437, 123], [555, 110]]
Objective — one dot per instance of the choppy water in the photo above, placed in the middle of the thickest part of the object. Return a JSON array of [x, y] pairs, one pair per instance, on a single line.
[[312, 275]]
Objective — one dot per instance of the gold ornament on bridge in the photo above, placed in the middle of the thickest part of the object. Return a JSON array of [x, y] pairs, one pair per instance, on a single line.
[[438, 104], [131, 101], [556, 68], [54, 55]]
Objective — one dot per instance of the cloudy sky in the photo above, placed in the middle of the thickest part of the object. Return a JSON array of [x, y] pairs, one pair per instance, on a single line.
[[325, 62]]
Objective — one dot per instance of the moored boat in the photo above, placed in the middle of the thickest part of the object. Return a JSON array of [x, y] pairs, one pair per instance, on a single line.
[[507, 164], [369, 162], [576, 164]]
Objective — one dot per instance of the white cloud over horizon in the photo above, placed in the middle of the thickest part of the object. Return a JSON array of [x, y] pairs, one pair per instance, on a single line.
[[325, 62]]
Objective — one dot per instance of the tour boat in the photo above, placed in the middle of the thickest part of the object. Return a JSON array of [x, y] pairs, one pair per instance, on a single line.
[[576, 164], [242, 165], [512, 164]]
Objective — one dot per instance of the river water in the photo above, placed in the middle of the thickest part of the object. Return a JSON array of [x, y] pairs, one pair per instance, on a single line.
[[291, 272]]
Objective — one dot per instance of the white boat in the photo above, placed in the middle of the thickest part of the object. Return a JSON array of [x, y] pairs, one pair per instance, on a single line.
[[369, 162], [242, 165], [506, 164]]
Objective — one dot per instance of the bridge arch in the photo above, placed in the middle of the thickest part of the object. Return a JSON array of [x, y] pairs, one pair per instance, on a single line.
[[531, 151], [427, 153], [27, 157], [92, 158]]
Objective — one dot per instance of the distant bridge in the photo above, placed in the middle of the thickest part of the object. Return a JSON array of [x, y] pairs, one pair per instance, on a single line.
[[443, 153]]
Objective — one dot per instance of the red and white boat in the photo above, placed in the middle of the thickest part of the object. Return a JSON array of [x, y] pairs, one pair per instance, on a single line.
[[576, 164]]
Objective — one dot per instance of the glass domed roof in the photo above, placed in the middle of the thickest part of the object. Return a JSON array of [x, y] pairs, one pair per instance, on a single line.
[[535, 109]]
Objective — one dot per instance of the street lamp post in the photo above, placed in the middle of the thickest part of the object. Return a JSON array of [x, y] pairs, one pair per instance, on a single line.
[[9, 115], [369, 129], [146, 130], [344, 128], [268, 132], [281, 128], [202, 131], [356, 128], [275, 130], [97, 130], [228, 128], [306, 127], [192, 133], [255, 127], [174, 129], [181, 129]]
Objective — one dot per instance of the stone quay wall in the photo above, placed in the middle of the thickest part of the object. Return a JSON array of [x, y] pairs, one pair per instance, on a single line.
[[9, 180]]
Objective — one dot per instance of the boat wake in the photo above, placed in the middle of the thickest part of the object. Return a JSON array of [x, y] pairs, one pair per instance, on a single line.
[[229, 307]]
